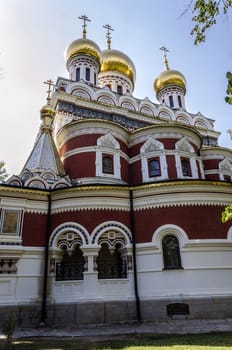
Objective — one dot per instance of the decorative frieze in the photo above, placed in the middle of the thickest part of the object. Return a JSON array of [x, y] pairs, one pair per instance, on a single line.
[[8, 265]]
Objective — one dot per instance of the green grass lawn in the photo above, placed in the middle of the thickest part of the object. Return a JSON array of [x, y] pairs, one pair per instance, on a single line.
[[212, 341]]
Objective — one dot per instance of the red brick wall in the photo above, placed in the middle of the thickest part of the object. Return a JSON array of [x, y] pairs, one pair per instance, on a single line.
[[80, 165], [90, 219], [202, 222], [34, 230]]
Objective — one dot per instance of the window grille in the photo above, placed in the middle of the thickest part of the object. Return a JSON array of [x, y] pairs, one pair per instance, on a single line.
[[71, 267], [110, 263], [171, 252]]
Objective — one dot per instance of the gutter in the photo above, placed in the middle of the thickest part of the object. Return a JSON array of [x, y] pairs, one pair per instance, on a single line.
[[46, 255], [132, 221]]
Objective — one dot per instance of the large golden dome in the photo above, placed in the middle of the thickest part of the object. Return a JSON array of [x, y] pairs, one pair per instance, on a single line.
[[83, 46], [169, 77], [117, 61]]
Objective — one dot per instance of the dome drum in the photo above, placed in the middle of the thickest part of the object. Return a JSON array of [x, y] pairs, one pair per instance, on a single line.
[[117, 82]]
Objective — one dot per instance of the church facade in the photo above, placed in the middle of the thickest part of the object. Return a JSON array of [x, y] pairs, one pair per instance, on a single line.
[[116, 215]]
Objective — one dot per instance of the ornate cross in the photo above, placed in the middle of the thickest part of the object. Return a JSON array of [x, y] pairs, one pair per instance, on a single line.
[[85, 19], [165, 50], [50, 83], [108, 37]]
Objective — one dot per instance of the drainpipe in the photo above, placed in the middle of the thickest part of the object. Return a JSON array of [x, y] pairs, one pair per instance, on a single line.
[[46, 254], [132, 221]]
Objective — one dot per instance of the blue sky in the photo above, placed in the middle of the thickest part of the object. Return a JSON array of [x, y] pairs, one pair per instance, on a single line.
[[35, 33]]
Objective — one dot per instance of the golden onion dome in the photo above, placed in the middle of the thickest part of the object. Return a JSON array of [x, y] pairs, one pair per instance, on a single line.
[[169, 77], [83, 46], [117, 61]]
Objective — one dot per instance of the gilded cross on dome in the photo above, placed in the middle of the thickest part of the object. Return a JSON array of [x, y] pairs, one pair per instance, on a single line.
[[108, 37], [50, 83], [165, 50], [85, 19]]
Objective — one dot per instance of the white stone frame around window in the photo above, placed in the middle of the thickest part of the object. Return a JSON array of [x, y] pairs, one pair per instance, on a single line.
[[185, 150], [225, 169], [149, 150], [13, 228], [108, 145]]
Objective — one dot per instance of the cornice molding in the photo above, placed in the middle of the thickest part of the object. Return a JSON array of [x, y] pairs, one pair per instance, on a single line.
[[91, 126], [116, 197]]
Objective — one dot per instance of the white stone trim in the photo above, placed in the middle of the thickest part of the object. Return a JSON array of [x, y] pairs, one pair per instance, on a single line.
[[169, 229], [153, 149], [93, 203], [111, 226], [225, 169], [184, 199], [68, 227], [186, 150], [107, 144]]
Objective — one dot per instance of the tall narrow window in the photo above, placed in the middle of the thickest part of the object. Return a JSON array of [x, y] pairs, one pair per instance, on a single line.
[[185, 165], [95, 79], [107, 164], [171, 102], [119, 89], [154, 167], [78, 74], [171, 252], [87, 74], [179, 101]]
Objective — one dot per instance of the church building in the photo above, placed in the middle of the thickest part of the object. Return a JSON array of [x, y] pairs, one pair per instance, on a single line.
[[116, 214]]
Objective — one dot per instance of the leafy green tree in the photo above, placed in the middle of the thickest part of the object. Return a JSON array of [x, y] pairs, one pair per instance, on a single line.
[[227, 213], [205, 13], [3, 174], [228, 98]]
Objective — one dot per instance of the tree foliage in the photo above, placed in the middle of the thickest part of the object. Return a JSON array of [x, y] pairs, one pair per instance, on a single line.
[[205, 13], [228, 98], [227, 213], [3, 174]]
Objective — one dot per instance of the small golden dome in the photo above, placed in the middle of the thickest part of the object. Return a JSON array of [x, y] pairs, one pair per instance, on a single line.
[[117, 61], [83, 46], [47, 114], [169, 77]]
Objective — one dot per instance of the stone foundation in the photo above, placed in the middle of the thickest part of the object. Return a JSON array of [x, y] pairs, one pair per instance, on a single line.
[[118, 311]]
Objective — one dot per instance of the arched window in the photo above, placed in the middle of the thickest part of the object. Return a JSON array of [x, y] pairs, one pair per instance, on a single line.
[[171, 252], [107, 164], [72, 265], [110, 263]]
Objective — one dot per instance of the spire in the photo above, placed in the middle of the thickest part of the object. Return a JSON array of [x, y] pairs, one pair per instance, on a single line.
[[108, 37], [165, 50], [44, 155], [47, 112], [85, 19]]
